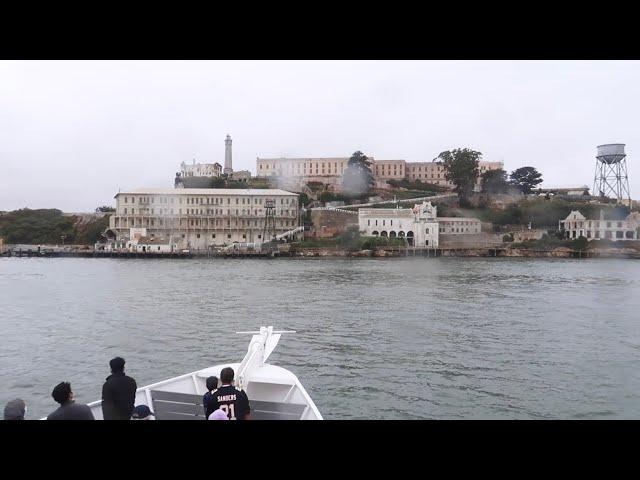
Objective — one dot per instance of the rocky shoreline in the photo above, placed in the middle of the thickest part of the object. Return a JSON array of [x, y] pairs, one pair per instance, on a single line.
[[560, 252]]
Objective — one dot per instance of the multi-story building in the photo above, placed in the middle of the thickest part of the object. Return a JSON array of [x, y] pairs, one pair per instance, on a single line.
[[577, 225], [459, 225], [418, 225], [199, 218], [299, 171], [433, 172], [200, 169], [389, 169], [296, 172]]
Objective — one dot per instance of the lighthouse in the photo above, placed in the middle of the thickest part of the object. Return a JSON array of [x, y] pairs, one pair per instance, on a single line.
[[228, 168]]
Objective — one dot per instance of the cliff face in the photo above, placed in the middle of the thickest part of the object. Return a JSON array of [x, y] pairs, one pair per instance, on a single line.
[[50, 226]]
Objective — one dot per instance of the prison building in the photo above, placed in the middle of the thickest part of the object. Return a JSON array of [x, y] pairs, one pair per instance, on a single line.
[[200, 218]]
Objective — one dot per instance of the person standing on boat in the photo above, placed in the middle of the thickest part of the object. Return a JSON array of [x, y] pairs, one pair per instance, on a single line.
[[69, 409], [15, 410], [228, 398], [118, 393], [207, 399]]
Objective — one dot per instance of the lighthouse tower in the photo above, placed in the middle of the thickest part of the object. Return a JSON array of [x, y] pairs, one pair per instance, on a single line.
[[228, 168]]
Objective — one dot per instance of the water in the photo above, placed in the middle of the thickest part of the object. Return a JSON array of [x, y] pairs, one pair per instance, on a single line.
[[409, 338]]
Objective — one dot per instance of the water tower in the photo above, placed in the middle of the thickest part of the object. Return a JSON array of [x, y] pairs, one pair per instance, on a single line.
[[611, 178]]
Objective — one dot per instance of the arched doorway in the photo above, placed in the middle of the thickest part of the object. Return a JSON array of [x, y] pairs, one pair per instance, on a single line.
[[401, 234], [392, 234], [375, 233], [383, 233], [410, 238]]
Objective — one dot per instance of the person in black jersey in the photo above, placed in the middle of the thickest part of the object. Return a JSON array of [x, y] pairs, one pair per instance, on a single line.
[[207, 399], [228, 398]]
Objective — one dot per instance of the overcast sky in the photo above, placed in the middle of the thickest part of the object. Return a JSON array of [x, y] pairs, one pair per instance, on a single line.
[[73, 132]]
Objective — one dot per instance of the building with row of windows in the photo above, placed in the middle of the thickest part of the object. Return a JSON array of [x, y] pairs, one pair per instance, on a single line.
[[420, 225], [200, 218], [577, 225], [213, 170], [299, 171]]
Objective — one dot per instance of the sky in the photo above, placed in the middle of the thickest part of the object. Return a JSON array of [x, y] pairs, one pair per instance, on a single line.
[[72, 133]]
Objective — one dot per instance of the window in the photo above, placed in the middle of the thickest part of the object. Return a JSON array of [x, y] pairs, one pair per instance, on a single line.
[[228, 235], [198, 236], [368, 221]]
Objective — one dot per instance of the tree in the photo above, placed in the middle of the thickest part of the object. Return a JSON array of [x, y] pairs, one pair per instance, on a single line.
[[304, 199], [494, 181], [526, 178], [461, 168], [357, 179]]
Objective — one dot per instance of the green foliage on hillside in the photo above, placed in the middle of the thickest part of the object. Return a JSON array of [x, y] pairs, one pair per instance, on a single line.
[[369, 243], [91, 232], [416, 185], [47, 226], [316, 187], [36, 226], [461, 168], [546, 213], [351, 240], [327, 196], [549, 242]]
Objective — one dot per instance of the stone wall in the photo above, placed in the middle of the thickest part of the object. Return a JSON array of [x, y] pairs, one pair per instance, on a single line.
[[470, 240], [329, 223]]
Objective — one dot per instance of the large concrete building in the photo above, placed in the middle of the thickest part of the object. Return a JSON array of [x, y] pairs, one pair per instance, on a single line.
[[197, 218], [577, 225], [296, 172]]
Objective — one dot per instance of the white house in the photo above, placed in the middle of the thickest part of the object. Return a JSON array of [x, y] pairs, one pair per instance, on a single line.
[[577, 225]]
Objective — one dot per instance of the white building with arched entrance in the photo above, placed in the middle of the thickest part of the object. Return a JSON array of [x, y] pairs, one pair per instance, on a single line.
[[418, 225]]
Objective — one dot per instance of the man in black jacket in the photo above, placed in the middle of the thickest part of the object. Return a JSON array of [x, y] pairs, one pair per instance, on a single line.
[[69, 409], [118, 393]]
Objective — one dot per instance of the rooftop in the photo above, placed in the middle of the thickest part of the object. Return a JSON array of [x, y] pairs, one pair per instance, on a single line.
[[205, 191]]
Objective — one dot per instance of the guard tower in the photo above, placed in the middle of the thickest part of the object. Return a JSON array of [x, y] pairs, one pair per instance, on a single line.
[[611, 179], [269, 230]]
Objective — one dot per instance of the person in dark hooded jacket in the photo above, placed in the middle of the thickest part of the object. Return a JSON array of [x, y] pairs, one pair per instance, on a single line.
[[207, 399], [118, 393], [15, 410]]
